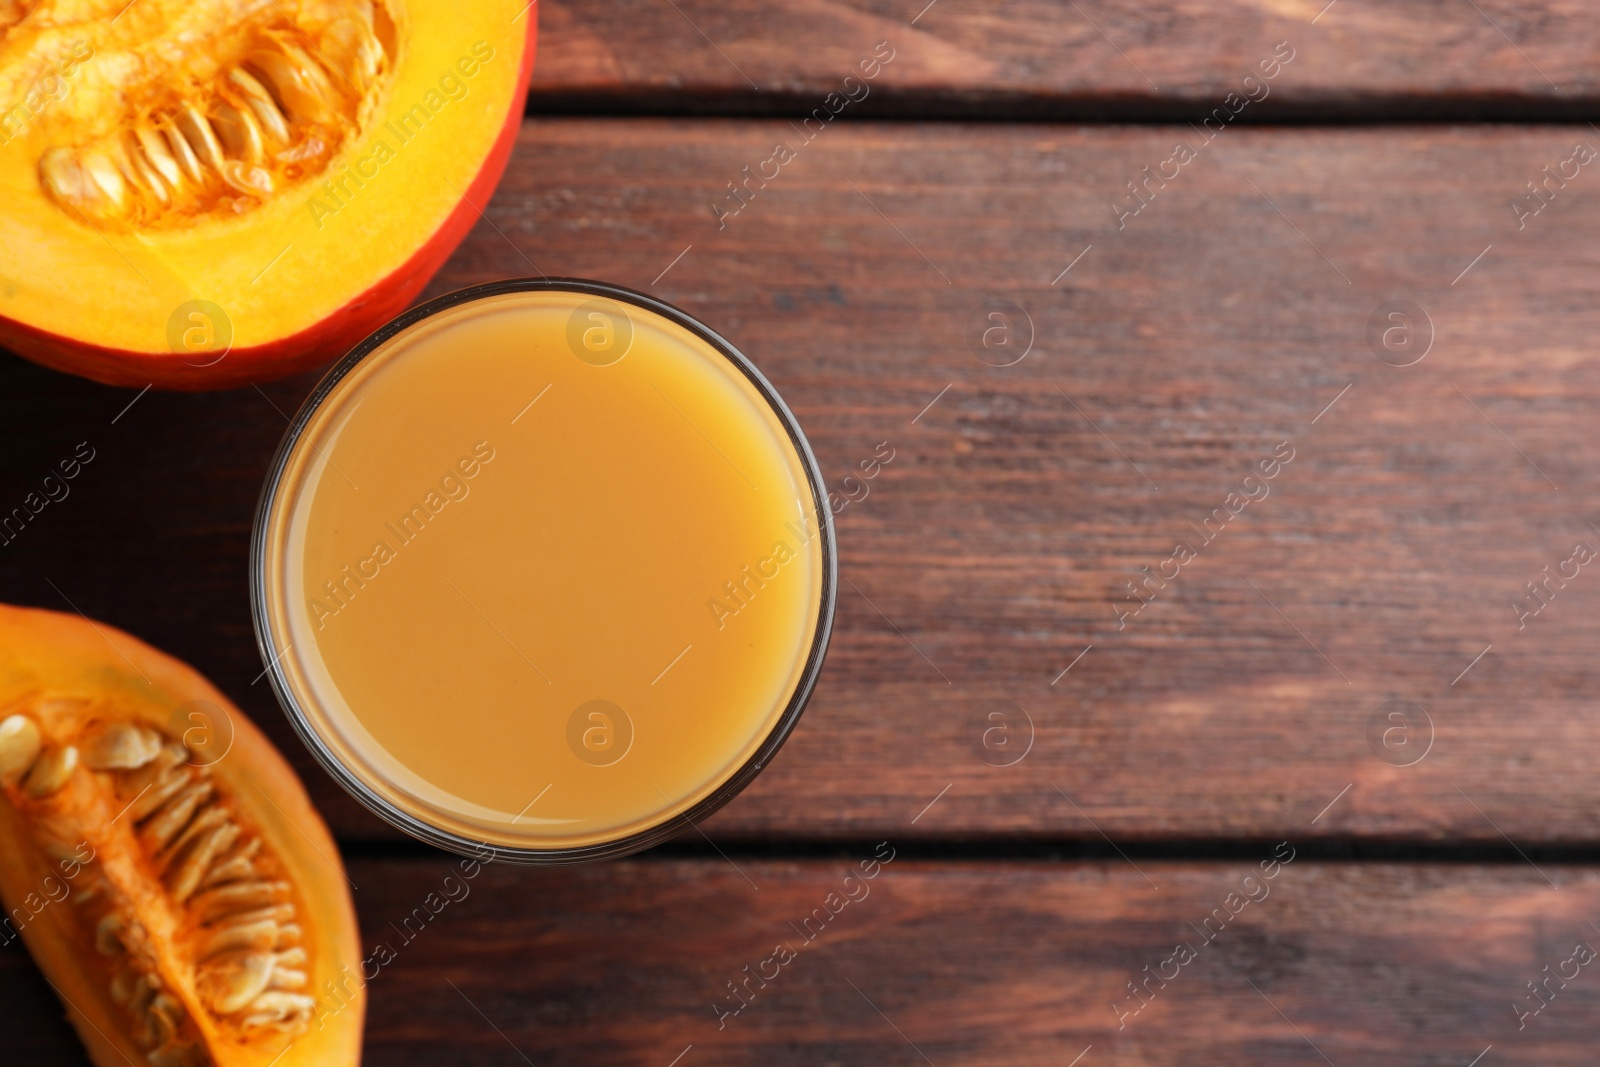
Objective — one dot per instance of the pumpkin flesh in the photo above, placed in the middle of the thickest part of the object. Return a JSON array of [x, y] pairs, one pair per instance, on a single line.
[[292, 172], [162, 863]]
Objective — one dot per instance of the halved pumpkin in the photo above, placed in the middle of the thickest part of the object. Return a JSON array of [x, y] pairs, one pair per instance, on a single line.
[[162, 863], [199, 194]]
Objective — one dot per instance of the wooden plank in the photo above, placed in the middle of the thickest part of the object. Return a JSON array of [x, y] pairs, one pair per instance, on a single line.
[[1228, 316], [1010, 964], [1120, 59]]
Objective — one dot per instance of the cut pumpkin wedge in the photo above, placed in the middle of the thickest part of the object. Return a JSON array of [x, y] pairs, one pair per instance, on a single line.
[[200, 195], [162, 863]]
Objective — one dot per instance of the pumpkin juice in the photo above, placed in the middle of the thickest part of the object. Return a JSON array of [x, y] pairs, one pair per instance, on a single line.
[[543, 570]]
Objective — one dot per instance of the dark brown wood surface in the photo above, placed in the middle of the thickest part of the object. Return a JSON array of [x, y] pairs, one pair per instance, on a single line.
[[1445, 855], [1000, 965], [1075, 59]]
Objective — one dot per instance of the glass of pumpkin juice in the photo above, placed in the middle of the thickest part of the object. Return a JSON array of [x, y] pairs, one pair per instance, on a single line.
[[544, 567]]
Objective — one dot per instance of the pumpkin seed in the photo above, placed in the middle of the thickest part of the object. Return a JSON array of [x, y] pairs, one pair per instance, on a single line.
[[51, 771], [122, 746], [227, 135], [19, 747]]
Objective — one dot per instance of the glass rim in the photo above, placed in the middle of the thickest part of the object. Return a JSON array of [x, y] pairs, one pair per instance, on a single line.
[[451, 841]]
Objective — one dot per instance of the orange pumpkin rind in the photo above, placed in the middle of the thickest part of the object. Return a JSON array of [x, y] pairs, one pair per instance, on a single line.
[[162, 863]]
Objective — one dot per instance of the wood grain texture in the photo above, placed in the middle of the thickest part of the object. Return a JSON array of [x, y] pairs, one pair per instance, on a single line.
[[998, 965], [1000, 541], [1095, 59]]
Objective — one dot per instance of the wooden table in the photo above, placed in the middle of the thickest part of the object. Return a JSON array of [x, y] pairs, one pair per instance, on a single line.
[[1346, 665]]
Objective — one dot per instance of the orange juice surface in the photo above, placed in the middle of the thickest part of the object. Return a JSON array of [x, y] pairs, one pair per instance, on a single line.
[[543, 570]]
